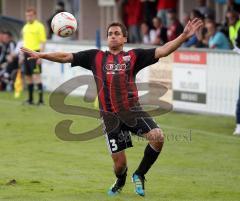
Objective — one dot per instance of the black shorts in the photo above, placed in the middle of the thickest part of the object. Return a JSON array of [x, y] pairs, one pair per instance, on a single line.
[[117, 129], [31, 67]]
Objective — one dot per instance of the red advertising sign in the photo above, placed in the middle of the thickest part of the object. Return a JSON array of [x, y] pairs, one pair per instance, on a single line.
[[190, 57]]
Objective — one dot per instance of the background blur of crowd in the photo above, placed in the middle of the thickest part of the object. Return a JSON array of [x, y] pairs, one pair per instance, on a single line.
[[149, 22], [156, 22]]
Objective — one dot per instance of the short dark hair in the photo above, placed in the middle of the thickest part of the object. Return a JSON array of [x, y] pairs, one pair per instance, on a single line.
[[118, 24]]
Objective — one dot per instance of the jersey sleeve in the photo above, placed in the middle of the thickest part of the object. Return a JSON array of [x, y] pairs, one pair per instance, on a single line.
[[84, 59], [144, 58]]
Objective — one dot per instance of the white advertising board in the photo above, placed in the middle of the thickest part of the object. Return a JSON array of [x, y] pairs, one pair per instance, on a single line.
[[190, 77]]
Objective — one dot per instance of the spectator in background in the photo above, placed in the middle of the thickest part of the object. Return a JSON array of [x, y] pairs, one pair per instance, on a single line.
[[14, 60], [193, 41], [217, 40], [204, 9], [1, 58], [8, 46], [149, 11], [160, 32], [1, 46], [34, 38], [163, 7], [133, 10], [60, 7], [175, 28], [8, 42], [233, 25], [148, 35]]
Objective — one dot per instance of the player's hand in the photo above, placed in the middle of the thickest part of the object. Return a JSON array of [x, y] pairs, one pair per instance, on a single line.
[[193, 27], [32, 54]]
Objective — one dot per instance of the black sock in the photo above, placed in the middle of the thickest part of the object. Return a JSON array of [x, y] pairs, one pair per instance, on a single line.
[[40, 92], [150, 156], [30, 93], [121, 177], [122, 174]]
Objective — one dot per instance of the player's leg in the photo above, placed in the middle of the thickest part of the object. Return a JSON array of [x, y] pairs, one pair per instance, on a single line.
[[30, 86], [38, 81], [28, 71], [120, 170], [120, 162], [155, 139], [118, 140], [148, 129]]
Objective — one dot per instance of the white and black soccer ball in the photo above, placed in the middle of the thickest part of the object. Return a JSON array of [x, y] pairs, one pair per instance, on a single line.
[[64, 24]]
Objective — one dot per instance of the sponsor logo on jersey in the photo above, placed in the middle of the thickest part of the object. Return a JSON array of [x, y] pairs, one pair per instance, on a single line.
[[115, 68]]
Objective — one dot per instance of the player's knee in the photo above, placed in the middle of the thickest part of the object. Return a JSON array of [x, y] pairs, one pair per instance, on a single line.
[[156, 135], [120, 166]]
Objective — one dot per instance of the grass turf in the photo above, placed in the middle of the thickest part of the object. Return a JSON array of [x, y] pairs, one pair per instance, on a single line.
[[200, 160]]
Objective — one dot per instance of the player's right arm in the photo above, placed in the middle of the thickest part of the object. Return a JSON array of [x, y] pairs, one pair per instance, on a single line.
[[190, 29], [60, 57]]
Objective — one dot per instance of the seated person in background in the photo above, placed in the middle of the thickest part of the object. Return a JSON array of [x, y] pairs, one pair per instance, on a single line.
[[148, 36], [15, 59], [160, 32], [175, 28], [8, 46], [233, 25], [217, 40]]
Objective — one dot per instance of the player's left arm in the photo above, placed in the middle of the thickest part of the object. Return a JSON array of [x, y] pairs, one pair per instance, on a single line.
[[190, 29]]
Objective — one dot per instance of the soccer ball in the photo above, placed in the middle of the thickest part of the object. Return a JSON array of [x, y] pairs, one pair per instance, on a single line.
[[64, 24]]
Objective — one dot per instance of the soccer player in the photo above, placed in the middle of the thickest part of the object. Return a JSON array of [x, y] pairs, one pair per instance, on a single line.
[[34, 38], [114, 72]]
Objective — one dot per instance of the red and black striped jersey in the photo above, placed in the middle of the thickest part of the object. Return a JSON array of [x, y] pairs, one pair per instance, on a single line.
[[115, 75]]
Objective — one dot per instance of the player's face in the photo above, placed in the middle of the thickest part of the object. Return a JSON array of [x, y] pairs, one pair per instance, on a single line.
[[115, 37], [30, 16]]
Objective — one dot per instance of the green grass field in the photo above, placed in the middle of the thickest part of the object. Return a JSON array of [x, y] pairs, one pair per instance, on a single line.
[[200, 160]]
